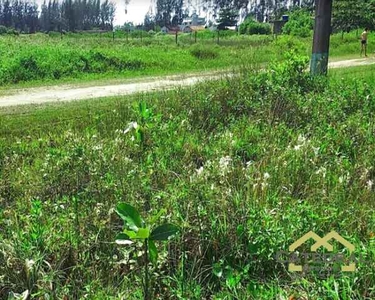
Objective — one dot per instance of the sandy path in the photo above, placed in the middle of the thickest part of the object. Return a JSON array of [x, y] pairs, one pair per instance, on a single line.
[[352, 63], [69, 93]]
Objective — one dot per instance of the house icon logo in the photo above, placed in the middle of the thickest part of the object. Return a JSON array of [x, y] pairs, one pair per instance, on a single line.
[[322, 242]]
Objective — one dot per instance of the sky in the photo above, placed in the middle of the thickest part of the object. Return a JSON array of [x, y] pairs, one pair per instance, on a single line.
[[137, 9]]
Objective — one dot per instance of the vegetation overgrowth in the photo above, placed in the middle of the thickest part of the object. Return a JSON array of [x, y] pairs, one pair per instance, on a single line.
[[40, 59], [244, 166]]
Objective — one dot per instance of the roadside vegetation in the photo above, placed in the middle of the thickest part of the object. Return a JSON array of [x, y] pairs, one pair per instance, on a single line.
[[41, 59], [242, 166]]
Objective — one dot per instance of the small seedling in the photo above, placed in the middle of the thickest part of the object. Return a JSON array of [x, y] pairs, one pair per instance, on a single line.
[[135, 228]]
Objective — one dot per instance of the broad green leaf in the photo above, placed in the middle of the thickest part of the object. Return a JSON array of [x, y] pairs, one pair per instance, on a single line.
[[163, 232], [143, 233], [130, 216], [131, 234], [122, 236], [153, 252]]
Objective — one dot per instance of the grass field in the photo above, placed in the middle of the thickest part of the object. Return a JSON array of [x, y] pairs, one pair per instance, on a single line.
[[243, 166], [40, 59]]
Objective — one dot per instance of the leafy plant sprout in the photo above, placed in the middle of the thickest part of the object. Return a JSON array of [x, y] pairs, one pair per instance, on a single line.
[[135, 228]]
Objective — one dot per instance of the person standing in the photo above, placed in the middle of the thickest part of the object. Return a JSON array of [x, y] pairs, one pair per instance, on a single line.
[[364, 38]]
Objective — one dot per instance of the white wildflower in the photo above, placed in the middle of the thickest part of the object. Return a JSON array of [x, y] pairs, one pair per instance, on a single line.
[[370, 183], [29, 263], [316, 150], [199, 171], [301, 139], [97, 147], [224, 162], [266, 176], [322, 171], [131, 126]]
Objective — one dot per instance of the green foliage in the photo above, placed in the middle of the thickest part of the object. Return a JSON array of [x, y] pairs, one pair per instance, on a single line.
[[202, 52], [300, 24], [244, 166], [136, 229], [250, 26], [227, 17], [163, 232], [3, 30], [79, 56], [12, 31], [130, 216], [353, 14], [39, 59]]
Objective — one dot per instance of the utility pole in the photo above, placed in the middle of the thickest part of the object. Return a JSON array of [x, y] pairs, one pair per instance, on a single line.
[[322, 34]]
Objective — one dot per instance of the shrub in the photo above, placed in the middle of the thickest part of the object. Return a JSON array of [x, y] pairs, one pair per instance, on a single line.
[[204, 53], [3, 29], [300, 24], [259, 28], [13, 31], [287, 43], [250, 26]]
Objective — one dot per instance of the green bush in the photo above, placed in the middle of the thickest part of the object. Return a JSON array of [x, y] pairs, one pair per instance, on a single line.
[[250, 26], [3, 29], [300, 24], [204, 53], [13, 31], [259, 28]]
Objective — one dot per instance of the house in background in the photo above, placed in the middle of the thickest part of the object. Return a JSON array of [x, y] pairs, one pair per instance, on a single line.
[[194, 20], [194, 23], [171, 29], [198, 28]]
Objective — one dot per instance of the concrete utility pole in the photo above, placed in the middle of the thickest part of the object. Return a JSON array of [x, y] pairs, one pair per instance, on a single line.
[[322, 34]]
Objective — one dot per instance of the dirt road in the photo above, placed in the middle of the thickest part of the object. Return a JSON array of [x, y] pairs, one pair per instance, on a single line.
[[69, 93]]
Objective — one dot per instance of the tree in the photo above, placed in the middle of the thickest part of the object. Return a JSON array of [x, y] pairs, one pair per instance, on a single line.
[[149, 22], [346, 14], [227, 17], [353, 14], [7, 14], [164, 10], [300, 23]]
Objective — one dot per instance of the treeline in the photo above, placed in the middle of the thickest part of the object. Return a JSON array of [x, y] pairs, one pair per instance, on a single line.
[[172, 12], [68, 15], [347, 14]]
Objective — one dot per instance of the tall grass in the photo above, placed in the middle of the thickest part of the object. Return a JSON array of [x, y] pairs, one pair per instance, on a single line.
[[244, 166], [40, 58]]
